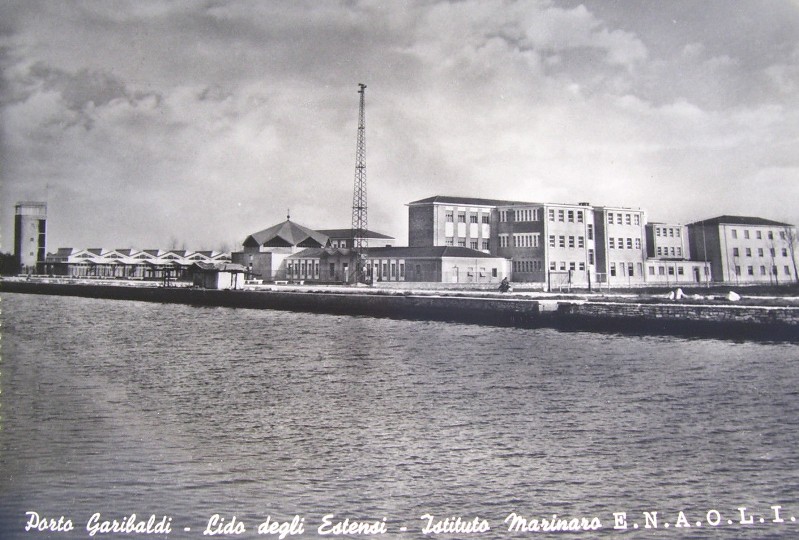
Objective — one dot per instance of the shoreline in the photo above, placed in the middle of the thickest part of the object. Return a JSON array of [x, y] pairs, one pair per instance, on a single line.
[[524, 310]]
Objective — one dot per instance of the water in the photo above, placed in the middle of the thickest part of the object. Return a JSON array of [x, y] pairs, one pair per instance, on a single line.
[[117, 407]]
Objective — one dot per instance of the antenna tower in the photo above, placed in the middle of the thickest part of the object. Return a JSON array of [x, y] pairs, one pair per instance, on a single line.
[[359, 221]]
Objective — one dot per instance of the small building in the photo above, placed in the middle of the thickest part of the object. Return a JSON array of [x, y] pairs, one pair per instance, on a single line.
[[218, 275], [30, 236]]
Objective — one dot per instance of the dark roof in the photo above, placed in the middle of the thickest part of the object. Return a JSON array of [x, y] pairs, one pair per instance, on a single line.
[[740, 220], [314, 253], [347, 233], [219, 267], [289, 232], [427, 252], [444, 199]]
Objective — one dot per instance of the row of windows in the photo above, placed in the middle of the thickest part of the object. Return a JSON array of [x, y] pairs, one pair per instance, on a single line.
[[750, 270], [473, 218], [736, 252], [526, 240], [473, 244], [758, 234], [618, 243], [624, 219], [666, 251], [527, 266], [560, 241], [571, 216], [662, 270], [668, 231], [562, 266], [626, 270]]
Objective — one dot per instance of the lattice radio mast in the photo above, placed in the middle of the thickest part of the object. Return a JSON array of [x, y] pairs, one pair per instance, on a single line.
[[359, 220]]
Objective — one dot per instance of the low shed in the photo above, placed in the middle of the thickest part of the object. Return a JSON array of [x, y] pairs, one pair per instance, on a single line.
[[218, 275]]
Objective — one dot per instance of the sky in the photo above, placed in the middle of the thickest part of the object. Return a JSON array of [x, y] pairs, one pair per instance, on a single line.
[[190, 125]]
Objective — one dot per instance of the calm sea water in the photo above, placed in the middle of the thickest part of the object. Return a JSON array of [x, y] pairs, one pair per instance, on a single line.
[[181, 412]]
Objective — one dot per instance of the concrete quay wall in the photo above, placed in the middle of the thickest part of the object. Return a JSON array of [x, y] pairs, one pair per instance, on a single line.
[[724, 321]]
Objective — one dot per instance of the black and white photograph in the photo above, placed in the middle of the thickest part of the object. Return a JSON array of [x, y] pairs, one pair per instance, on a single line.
[[413, 269]]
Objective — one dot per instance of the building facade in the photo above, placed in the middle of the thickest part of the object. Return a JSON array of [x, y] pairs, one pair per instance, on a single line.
[[30, 236]]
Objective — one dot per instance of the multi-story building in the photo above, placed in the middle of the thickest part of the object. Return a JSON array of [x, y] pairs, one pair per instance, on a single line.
[[667, 256], [30, 236], [745, 250], [453, 221], [620, 245]]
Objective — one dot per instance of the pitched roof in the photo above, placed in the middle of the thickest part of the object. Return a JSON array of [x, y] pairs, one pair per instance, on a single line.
[[445, 199], [740, 220], [347, 233], [289, 232]]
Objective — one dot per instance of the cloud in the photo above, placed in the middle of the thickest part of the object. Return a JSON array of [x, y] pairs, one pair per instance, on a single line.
[[205, 121]]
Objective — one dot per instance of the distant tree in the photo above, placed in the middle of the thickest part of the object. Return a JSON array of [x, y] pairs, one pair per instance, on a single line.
[[8, 264], [790, 239]]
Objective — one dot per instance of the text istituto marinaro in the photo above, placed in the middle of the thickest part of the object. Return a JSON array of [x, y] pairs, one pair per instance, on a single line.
[[331, 525]]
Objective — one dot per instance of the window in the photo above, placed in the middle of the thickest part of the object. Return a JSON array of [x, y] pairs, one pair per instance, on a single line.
[[486, 218], [393, 269], [746, 234], [735, 252], [449, 242], [759, 235], [651, 270], [770, 235], [671, 270], [551, 240], [629, 243], [560, 215], [473, 244], [660, 250], [493, 272], [661, 271], [579, 216], [610, 219], [748, 251], [618, 219], [787, 270], [759, 252], [563, 265], [679, 252], [572, 266], [553, 265], [551, 214], [503, 216], [561, 241], [449, 217], [582, 266], [630, 269], [590, 256], [628, 219], [580, 242], [671, 249], [611, 243], [782, 235], [734, 233], [657, 231], [402, 270], [784, 252], [590, 231], [571, 242], [461, 218], [570, 216], [612, 269], [762, 270], [637, 219], [750, 270], [637, 243], [485, 245], [462, 243], [473, 218]]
